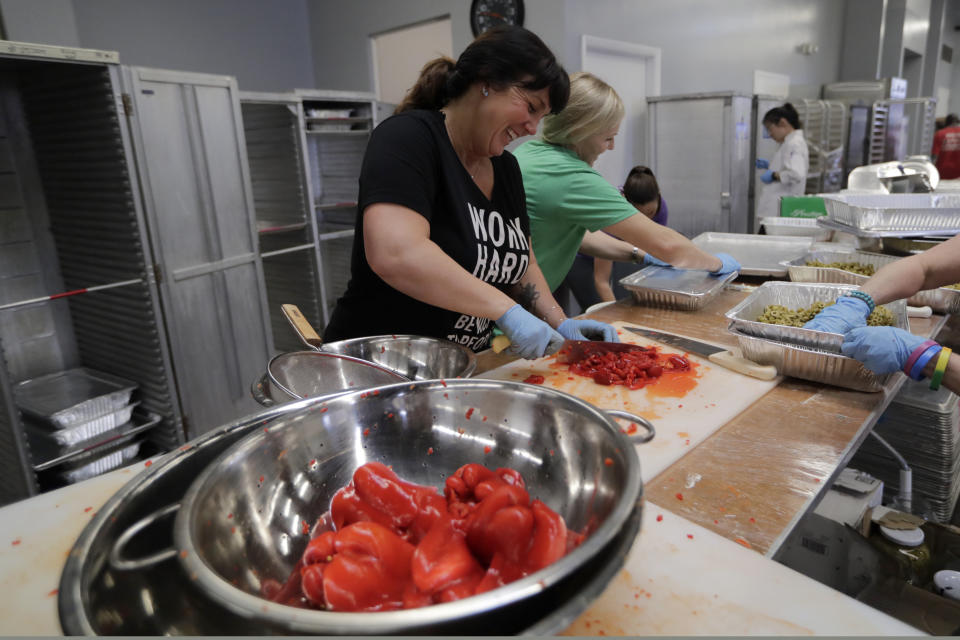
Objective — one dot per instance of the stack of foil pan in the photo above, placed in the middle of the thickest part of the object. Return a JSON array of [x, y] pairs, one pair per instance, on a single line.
[[799, 352], [922, 425], [941, 300], [899, 212]]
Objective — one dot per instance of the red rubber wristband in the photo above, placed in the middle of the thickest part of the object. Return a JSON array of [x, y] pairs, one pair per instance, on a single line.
[[916, 354]]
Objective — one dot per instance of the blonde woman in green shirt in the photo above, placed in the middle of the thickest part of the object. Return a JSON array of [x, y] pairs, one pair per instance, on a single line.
[[569, 202]]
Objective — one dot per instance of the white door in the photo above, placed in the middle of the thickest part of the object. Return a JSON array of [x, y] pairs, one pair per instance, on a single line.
[[634, 71]]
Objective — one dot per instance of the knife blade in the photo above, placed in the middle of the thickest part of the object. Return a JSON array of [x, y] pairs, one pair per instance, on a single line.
[[727, 358], [577, 350]]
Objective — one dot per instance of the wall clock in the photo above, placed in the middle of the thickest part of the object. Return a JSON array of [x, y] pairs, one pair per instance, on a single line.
[[485, 14]]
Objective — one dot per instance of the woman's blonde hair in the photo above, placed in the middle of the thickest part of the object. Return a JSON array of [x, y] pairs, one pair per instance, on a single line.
[[594, 107]]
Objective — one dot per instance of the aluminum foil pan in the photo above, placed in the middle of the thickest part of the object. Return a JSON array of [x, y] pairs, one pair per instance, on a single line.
[[101, 464], [68, 398], [941, 300], [810, 364], [669, 288], [85, 430], [895, 211], [779, 226], [796, 295]]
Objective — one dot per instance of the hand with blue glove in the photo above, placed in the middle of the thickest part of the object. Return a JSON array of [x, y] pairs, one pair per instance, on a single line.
[[880, 349], [843, 315], [649, 260], [729, 264], [530, 337], [573, 329], [763, 164], [767, 176]]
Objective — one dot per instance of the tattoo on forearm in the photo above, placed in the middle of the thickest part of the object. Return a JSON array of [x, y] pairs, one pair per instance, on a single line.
[[527, 297]]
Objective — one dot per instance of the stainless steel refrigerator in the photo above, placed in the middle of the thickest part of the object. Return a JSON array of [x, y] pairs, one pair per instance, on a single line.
[[700, 150]]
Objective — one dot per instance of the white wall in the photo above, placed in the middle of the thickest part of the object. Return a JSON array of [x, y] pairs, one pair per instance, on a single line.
[[264, 44], [716, 46], [43, 21], [341, 31]]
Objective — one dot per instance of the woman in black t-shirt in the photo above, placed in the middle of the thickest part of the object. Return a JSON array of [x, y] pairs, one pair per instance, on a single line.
[[442, 243]]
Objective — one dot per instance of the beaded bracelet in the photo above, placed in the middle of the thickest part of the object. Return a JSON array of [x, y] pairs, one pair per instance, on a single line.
[[940, 369], [917, 371], [919, 351], [863, 295]]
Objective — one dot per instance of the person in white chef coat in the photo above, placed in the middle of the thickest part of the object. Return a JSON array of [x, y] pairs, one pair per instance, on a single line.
[[786, 173]]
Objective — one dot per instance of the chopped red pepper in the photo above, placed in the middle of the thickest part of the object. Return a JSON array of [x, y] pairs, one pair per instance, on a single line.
[[534, 378]]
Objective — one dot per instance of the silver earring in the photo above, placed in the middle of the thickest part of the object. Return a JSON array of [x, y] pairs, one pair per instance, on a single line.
[[485, 91]]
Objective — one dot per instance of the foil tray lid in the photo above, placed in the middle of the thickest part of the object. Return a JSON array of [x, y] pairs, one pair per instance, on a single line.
[[689, 282]]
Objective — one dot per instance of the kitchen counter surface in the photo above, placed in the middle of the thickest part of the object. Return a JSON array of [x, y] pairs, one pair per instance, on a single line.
[[698, 566]]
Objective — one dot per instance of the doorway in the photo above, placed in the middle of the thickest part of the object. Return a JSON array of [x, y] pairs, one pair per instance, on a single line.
[[399, 54], [634, 71]]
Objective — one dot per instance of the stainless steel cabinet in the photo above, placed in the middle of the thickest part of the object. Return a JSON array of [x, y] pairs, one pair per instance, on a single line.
[[305, 151], [190, 148], [134, 180], [699, 147]]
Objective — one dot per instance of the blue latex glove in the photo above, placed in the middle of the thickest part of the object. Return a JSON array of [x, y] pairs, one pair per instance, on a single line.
[[843, 315], [573, 329], [729, 265], [767, 176], [880, 349], [763, 164], [530, 337], [649, 260]]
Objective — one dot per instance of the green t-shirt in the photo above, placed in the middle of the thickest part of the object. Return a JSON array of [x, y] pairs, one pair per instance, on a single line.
[[566, 197]]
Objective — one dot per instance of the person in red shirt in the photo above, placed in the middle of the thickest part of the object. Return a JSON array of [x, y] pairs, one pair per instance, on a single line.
[[946, 148]]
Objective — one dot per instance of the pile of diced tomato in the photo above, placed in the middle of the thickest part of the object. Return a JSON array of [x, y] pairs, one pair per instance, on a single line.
[[632, 369], [399, 545]]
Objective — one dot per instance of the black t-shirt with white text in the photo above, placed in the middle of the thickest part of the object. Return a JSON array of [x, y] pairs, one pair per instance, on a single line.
[[409, 161]]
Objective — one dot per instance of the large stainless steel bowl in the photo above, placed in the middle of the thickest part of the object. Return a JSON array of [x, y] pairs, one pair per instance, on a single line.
[[308, 374], [241, 522], [413, 357]]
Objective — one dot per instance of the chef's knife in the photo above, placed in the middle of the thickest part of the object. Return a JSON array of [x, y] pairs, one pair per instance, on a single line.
[[718, 355]]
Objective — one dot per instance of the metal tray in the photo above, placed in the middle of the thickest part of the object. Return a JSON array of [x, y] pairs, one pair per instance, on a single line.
[[810, 364], [909, 246], [758, 255], [888, 233], [796, 295], [68, 398], [102, 463], [779, 226], [669, 288], [895, 211], [941, 300], [47, 455]]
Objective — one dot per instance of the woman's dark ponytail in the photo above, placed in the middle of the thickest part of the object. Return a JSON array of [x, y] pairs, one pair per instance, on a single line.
[[787, 112], [431, 90]]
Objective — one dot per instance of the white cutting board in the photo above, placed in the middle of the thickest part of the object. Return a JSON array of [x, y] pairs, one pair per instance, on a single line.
[[681, 422], [682, 579]]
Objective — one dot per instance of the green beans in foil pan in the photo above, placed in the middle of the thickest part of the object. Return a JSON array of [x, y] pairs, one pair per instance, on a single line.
[[854, 267], [781, 315]]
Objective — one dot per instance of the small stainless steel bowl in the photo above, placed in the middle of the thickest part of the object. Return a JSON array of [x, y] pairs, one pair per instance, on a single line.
[[308, 374], [242, 521], [413, 357]]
